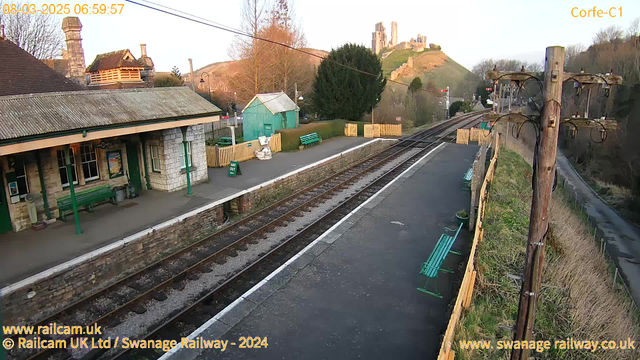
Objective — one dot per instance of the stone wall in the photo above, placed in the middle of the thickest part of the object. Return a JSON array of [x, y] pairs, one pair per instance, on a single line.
[[92, 273], [173, 148], [267, 194], [97, 272]]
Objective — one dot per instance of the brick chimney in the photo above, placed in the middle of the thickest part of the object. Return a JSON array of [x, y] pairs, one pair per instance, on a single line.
[[75, 53], [143, 50]]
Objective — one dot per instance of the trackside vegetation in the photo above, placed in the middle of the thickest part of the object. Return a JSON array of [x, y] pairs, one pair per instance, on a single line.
[[578, 298]]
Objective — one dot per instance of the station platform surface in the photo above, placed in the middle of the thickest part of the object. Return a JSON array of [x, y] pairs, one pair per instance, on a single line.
[[352, 293], [29, 252]]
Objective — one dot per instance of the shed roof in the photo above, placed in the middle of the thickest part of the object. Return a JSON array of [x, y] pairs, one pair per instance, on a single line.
[[39, 114], [275, 102], [22, 73], [114, 60]]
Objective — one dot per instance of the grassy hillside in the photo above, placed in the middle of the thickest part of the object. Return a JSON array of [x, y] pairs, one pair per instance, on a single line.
[[429, 65]]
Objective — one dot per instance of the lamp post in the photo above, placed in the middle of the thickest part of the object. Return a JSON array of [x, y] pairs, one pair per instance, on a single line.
[[208, 81]]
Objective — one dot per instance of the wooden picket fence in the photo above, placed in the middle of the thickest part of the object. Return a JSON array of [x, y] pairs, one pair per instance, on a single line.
[[463, 301], [222, 156], [377, 130], [350, 129]]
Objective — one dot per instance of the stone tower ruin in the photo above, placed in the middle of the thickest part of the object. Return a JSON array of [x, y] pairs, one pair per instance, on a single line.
[[394, 34], [378, 38], [75, 53]]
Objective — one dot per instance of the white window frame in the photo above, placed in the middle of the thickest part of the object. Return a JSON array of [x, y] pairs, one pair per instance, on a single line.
[[73, 164], [95, 159], [182, 166], [26, 180], [154, 151]]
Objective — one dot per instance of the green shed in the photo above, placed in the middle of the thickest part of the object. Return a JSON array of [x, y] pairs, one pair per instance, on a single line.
[[267, 113]]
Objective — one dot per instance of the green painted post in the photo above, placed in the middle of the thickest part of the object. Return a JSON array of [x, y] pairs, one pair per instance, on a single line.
[[186, 158], [74, 204], [43, 186], [144, 160]]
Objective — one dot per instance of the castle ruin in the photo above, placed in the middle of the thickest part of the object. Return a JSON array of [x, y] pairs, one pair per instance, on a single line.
[[379, 40]]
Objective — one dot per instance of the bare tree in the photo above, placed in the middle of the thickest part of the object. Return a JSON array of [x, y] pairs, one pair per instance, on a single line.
[[610, 34], [38, 34], [249, 50], [571, 51], [634, 28]]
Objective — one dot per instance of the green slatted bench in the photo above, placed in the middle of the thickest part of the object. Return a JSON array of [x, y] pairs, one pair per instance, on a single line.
[[224, 141], [310, 139], [467, 178], [432, 266], [86, 198]]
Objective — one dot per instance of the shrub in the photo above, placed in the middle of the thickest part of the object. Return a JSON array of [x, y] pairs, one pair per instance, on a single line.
[[326, 130]]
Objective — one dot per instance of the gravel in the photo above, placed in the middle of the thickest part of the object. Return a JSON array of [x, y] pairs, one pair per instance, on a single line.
[[134, 325]]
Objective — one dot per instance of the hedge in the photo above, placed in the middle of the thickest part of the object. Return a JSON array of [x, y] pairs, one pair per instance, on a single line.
[[326, 130]]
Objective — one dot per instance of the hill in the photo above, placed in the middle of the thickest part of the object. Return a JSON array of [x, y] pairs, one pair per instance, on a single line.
[[429, 65]]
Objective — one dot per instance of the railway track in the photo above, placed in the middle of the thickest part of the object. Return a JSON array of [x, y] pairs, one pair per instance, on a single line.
[[110, 306]]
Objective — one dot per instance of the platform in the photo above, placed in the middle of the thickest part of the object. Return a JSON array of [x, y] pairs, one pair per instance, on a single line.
[[29, 252], [352, 293]]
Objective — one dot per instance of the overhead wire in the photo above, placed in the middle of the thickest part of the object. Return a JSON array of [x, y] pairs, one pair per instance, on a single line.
[[200, 20]]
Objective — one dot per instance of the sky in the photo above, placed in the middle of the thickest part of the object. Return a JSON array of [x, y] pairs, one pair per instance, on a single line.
[[468, 31]]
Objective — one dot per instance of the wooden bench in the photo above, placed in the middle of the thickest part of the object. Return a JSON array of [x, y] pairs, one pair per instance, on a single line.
[[310, 139], [467, 178], [224, 141], [86, 198], [432, 266]]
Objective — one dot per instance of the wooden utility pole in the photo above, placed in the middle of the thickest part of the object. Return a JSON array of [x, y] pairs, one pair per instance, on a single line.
[[544, 171], [543, 179], [193, 85]]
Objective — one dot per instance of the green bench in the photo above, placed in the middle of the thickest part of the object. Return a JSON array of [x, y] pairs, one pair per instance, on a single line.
[[432, 266], [310, 139], [86, 198], [467, 178], [224, 141]]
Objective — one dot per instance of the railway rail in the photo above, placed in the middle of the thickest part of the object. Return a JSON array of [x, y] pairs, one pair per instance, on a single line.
[[108, 306]]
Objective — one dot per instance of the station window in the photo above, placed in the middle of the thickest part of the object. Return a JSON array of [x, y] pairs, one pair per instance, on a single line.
[[63, 169], [155, 157], [190, 157], [89, 162], [21, 177]]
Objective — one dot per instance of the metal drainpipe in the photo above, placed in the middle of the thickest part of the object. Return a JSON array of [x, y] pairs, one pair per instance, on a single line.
[[43, 186], [186, 158], [144, 160], [72, 191]]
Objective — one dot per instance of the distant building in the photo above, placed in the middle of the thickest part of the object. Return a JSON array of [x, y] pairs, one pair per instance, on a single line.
[[266, 113], [116, 70], [105, 71]]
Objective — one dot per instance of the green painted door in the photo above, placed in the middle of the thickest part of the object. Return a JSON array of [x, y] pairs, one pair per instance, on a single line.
[[5, 218], [268, 130], [134, 166]]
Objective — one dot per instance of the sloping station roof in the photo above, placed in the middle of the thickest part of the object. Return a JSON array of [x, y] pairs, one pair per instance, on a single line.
[[275, 102], [113, 60], [39, 114], [21, 73]]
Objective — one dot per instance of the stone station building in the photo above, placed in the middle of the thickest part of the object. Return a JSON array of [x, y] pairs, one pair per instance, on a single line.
[[134, 137]]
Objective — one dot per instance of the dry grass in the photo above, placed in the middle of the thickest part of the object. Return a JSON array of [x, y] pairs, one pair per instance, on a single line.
[[578, 298], [598, 311], [616, 196]]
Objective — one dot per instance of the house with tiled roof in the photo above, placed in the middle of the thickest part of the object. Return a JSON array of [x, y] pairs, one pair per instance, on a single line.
[[116, 70]]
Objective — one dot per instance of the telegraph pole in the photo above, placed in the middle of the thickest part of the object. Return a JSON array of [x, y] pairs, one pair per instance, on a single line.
[[543, 179], [193, 86]]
